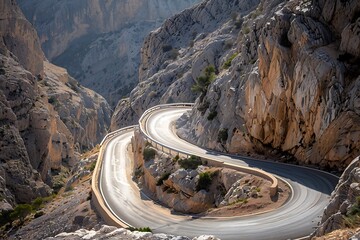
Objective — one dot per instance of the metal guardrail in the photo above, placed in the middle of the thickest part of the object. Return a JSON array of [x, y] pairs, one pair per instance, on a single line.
[[143, 130], [142, 126]]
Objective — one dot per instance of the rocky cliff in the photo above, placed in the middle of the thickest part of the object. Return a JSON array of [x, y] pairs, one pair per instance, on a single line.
[[176, 53], [35, 137], [284, 78], [293, 86], [99, 39], [344, 208]]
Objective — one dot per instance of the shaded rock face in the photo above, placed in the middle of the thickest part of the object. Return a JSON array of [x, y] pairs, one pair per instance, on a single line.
[[33, 136], [344, 199], [24, 134], [97, 39], [292, 86], [178, 52]]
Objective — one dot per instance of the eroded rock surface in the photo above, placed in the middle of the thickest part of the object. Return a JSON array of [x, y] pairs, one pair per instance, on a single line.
[[34, 137], [342, 210], [174, 55], [292, 87], [109, 232], [99, 42]]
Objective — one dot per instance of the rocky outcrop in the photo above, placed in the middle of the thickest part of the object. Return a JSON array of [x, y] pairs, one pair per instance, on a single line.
[[286, 82], [293, 87], [18, 37], [85, 113], [188, 185], [34, 138], [24, 135], [344, 205], [109, 232], [174, 55], [99, 40]]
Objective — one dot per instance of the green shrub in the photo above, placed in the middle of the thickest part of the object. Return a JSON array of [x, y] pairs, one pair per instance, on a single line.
[[92, 166], [205, 180], [223, 135], [352, 218], [202, 82], [20, 212], [149, 153], [212, 115], [164, 177], [190, 163], [52, 100], [57, 186], [37, 203], [227, 64]]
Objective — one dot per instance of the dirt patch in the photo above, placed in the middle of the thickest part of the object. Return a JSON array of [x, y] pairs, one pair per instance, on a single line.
[[67, 212]]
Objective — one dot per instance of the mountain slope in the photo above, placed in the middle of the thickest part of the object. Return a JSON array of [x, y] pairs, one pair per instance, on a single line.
[[36, 141], [99, 40], [287, 78]]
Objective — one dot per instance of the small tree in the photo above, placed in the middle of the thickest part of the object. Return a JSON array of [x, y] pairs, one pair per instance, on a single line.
[[149, 153], [222, 135], [37, 203], [21, 211], [190, 163], [203, 82], [205, 180]]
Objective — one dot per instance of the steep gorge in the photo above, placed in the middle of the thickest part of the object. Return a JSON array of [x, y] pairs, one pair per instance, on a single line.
[[35, 138], [287, 79], [99, 41]]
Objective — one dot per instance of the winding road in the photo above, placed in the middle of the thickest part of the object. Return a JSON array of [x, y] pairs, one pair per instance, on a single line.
[[297, 218]]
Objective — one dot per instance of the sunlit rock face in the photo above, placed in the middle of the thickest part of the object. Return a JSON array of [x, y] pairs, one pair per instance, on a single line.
[[293, 87], [99, 41], [287, 78]]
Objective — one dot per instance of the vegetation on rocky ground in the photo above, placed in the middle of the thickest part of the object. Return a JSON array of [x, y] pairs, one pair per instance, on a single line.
[[202, 83], [190, 163], [149, 153]]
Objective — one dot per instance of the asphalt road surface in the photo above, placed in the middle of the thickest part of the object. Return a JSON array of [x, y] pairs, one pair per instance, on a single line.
[[297, 218]]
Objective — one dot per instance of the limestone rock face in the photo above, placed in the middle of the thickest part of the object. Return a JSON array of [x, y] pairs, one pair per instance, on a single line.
[[34, 135], [293, 86], [97, 39], [175, 54], [343, 200], [85, 113], [110, 232], [24, 135], [20, 38]]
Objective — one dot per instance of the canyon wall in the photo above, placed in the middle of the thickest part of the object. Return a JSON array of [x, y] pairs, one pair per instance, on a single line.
[[176, 53], [97, 41], [285, 78], [293, 86], [35, 139]]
